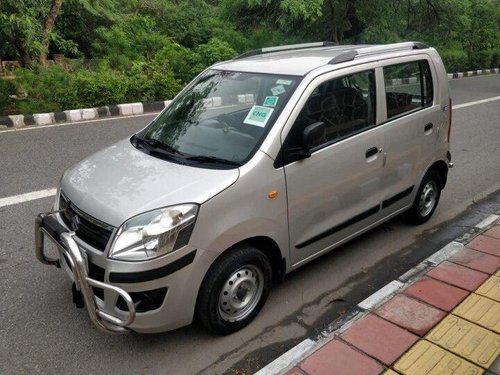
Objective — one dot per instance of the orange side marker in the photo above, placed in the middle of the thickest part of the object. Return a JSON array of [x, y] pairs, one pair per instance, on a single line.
[[272, 194]]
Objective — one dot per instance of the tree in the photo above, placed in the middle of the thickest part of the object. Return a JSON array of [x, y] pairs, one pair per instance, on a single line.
[[50, 20], [20, 30], [27, 27]]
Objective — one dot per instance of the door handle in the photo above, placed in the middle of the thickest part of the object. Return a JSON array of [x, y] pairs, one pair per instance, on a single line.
[[428, 127], [371, 152]]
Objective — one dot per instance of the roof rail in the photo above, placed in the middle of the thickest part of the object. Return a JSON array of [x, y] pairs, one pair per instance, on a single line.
[[351, 54], [289, 47]]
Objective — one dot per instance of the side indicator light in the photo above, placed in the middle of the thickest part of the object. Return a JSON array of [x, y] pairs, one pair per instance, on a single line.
[[272, 194]]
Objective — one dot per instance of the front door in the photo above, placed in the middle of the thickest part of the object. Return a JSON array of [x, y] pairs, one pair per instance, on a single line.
[[337, 190]]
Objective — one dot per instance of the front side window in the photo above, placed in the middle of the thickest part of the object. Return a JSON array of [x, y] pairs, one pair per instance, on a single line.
[[345, 105], [408, 87], [219, 120]]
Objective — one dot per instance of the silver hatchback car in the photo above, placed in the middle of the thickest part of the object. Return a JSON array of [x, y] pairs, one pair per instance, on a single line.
[[258, 166]]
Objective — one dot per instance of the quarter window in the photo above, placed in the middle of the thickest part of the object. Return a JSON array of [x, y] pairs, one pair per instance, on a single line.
[[408, 87]]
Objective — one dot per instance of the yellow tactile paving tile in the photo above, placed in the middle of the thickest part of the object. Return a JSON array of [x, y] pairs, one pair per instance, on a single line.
[[497, 273], [391, 372], [425, 358], [480, 310], [490, 288], [467, 340]]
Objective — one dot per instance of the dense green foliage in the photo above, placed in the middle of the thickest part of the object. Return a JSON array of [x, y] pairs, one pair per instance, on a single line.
[[144, 50]]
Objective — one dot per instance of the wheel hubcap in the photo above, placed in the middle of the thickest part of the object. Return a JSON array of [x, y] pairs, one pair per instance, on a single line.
[[428, 198], [241, 293]]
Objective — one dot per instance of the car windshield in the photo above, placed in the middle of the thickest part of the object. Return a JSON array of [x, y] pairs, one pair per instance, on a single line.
[[219, 120]]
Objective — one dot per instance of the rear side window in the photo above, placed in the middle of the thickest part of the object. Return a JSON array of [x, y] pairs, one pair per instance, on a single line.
[[408, 87]]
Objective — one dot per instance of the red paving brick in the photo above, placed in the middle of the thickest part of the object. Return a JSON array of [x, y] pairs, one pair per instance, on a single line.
[[413, 315], [295, 371], [486, 244], [493, 232], [477, 260], [339, 358], [379, 338], [458, 275], [436, 293]]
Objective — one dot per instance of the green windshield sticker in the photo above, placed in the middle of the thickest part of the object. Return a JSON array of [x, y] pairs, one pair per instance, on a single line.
[[258, 116], [271, 101], [284, 82]]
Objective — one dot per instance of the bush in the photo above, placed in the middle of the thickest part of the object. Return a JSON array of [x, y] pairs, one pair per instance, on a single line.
[[484, 59], [149, 82], [454, 60], [495, 59], [184, 63], [215, 50], [99, 88], [7, 88], [44, 89], [53, 89]]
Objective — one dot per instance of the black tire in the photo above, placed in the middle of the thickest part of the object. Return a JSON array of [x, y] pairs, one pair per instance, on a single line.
[[242, 276], [426, 200]]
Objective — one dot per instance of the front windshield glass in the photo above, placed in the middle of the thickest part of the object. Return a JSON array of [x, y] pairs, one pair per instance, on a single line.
[[221, 118]]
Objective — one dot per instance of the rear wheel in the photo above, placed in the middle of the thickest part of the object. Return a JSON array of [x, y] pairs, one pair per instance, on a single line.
[[234, 290], [426, 200]]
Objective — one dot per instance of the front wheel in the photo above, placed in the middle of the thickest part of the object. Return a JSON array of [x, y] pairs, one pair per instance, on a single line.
[[234, 290], [426, 200]]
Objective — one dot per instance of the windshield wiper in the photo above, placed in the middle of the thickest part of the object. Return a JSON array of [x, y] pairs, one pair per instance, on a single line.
[[154, 144], [212, 159]]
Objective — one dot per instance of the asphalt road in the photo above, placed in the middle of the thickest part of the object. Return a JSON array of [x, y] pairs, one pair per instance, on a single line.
[[42, 332]]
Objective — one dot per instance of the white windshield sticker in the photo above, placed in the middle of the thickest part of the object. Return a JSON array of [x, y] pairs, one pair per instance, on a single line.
[[278, 90], [258, 116], [284, 82], [271, 101]]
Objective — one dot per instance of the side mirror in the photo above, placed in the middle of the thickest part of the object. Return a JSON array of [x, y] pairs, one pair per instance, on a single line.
[[314, 135]]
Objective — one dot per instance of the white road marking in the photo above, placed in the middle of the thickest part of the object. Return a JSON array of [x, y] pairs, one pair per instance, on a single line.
[[37, 127], [458, 106], [21, 198]]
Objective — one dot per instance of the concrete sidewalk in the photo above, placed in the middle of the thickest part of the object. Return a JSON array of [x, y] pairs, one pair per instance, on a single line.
[[442, 318]]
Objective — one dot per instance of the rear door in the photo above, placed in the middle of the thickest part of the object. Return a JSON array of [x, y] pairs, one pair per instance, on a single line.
[[411, 129], [337, 190]]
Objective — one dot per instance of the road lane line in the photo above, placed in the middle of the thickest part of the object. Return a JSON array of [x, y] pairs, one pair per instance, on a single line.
[[458, 106], [21, 198]]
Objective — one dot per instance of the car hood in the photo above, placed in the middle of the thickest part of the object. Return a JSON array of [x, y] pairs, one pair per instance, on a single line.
[[120, 181]]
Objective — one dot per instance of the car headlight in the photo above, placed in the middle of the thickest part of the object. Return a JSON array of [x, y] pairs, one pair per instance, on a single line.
[[154, 233]]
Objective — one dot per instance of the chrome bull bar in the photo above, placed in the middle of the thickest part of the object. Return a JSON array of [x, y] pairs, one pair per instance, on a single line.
[[69, 249]]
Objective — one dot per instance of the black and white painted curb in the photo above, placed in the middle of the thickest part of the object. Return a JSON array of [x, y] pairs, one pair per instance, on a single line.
[[472, 73], [306, 347], [128, 109], [84, 114]]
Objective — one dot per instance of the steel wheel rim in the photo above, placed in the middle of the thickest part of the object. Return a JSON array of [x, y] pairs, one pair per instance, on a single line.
[[428, 198], [241, 293]]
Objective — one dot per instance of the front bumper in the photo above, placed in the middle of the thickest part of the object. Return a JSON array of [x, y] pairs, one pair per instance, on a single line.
[[47, 225]]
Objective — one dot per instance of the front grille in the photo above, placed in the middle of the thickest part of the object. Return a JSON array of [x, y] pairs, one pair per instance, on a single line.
[[90, 231], [97, 273]]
